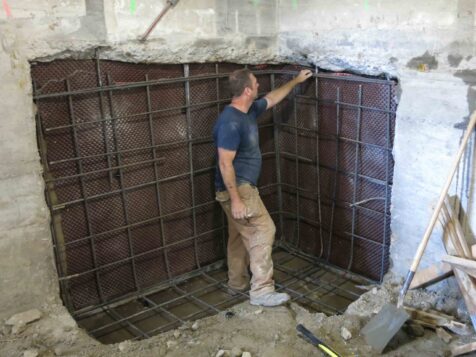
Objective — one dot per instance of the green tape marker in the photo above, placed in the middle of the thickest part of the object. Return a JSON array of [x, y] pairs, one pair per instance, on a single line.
[[366, 4], [133, 6], [295, 4], [255, 2]]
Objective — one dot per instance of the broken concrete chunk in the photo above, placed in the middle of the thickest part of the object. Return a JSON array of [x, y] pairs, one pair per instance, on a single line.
[[60, 350], [345, 333], [24, 318], [30, 353], [177, 333], [259, 311], [445, 336], [235, 352], [195, 326], [124, 346], [223, 353], [246, 354], [171, 344]]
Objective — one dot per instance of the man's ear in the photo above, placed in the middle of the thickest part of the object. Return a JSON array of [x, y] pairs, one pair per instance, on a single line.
[[248, 90]]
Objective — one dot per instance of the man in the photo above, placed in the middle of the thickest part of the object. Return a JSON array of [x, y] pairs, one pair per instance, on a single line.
[[250, 227]]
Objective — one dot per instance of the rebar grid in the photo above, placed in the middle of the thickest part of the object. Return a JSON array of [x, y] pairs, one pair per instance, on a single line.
[[129, 165], [293, 280]]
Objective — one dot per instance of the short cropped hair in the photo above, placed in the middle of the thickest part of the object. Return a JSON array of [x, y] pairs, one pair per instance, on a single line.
[[239, 80]]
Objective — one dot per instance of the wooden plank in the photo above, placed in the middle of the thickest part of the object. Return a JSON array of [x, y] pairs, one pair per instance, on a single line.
[[466, 265], [465, 283], [431, 275], [461, 350], [455, 231]]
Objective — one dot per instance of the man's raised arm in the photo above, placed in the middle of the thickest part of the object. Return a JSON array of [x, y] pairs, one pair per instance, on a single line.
[[277, 95]]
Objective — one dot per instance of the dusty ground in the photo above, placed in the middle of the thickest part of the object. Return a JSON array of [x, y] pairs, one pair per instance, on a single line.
[[260, 331]]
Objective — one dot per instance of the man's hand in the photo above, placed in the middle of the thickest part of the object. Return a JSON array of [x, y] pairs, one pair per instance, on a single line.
[[303, 75], [278, 94], [238, 209]]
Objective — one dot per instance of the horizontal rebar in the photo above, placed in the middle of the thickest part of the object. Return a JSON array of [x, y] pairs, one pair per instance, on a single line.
[[199, 78], [332, 101], [192, 293], [63, 178]]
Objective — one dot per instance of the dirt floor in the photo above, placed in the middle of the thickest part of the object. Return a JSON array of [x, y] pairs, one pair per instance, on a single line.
[[259, 331]]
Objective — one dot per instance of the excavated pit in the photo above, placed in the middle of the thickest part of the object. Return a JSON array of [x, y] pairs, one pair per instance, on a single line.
[[128, 165]]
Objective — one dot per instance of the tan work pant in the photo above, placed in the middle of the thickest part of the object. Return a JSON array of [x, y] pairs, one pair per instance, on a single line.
[[250, 241]]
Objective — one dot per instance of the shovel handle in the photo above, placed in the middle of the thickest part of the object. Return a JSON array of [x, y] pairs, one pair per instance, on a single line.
[[315, 341], [436, 212]]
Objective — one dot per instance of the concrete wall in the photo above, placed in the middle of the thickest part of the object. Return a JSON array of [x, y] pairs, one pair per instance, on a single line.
[[435, 37]]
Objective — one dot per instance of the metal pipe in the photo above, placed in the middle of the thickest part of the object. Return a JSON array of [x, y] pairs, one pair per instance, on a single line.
[[170, 4]]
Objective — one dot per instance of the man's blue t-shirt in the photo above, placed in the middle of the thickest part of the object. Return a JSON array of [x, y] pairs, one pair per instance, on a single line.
[[238, 131]]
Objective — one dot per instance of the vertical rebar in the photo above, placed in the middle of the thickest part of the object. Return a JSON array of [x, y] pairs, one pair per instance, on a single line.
[[387, 169], [50, 196], [103, 113], [157, 184], [296, 148], [276, 131], [223, 217], [125, 205], [356, 178], [318, 170], [336, 176], [83, 193], [186, 73]]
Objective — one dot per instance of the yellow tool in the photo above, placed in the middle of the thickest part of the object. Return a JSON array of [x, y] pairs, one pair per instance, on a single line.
[[315, 341]]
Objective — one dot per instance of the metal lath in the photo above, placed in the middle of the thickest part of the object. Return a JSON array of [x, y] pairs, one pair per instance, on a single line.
[[129, 164]]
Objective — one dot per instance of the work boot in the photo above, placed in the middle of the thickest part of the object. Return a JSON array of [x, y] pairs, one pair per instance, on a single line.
[[270, 299]]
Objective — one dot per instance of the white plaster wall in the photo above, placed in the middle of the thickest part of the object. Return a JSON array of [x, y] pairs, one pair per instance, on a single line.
[[384, 37]]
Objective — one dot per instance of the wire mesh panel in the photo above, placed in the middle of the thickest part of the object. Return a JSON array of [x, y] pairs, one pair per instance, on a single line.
[[129, 170], [129, 165], [336, 138]]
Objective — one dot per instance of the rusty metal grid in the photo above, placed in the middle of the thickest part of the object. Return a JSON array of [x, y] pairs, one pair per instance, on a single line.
[[309, 282], [129, 165], [336, 170]]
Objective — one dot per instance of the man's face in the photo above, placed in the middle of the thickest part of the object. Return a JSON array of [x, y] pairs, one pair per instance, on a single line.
[[254, 87]]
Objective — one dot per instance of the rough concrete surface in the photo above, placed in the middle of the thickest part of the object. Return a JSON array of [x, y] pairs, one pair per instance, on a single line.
[[375, 37], [258, 331]]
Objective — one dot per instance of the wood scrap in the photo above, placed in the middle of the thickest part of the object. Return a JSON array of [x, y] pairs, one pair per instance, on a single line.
[[431, 275], [445, 336], [465, 283], [455, 230], [435, 319], [461, 350], [466, 265]]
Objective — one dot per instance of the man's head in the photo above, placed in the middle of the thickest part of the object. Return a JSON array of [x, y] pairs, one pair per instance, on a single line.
[[243, 82]]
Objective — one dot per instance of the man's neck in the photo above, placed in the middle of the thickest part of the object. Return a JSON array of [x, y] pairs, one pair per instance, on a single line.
[[242, 104]]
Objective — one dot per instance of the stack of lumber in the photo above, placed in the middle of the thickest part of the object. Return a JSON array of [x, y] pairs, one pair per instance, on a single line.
[[460, 261]]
